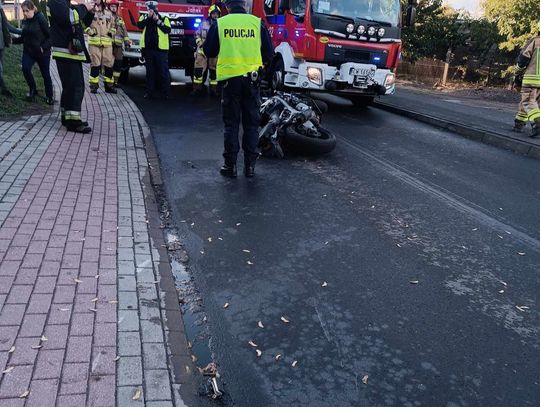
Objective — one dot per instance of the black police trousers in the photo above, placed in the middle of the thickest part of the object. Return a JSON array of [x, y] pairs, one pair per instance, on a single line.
[[240, 102], [72, 79], [157, 71]]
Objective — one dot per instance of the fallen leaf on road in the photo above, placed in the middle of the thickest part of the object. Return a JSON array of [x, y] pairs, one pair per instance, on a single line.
[[37, 347], [294, 363], [63, 309], [11, 350], [414, 281], [193, 358], [113, 302], [259, 353], [136, 395], [365, 379], [324, 284], [25, 394], [77, 280], [226, 305], [475, 229], [246, 251], [285, 320], [522, 308], [253, 344], [250, 263], [238, 224], [260, 324], [96, 276], [501, 291], [508, 232], [503, 283], [44, 338], [398, 245], [209, 239], [220, 221], [521, 253], [116, 359], [92, 309], [220, 238], [278, 356], [9, 369], [500, 237], [95, 299]]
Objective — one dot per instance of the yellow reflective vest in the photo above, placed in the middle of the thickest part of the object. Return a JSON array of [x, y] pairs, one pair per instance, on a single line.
[[239, 45], [102, 30], [163, 38]]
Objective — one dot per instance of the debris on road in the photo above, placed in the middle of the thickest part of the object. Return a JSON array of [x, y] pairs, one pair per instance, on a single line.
[[365, 379], [253, 344], [260, 324], [294, 363], [285, 320]]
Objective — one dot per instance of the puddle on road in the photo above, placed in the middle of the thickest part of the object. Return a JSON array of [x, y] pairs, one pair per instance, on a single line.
[[193, 315]]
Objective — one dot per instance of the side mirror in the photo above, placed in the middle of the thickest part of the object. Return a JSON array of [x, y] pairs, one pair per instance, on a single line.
[[410, 17]]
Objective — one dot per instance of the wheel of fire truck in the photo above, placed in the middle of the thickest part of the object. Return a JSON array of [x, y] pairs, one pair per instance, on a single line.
[[306, 145], [362, 101]]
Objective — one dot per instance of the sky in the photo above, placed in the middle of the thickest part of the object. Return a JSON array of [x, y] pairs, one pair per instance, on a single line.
[[471, 5]]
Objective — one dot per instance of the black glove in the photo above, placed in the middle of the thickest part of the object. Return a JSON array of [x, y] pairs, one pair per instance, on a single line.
[[76, 46]]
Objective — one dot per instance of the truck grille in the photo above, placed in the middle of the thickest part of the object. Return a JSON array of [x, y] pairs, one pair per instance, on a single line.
[[337, 56]]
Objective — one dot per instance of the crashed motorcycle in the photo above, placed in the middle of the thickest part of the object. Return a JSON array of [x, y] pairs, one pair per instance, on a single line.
[[292, 123]]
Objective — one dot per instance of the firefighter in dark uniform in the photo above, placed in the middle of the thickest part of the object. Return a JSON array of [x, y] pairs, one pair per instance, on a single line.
[[155, 49], [69, 51], [242, 45], [528, 79]]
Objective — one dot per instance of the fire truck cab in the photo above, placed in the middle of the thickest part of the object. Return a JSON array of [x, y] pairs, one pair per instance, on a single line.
[[185, 16], [346, 47]]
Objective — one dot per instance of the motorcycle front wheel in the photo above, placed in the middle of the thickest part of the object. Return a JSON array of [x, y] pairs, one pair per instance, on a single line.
[[305, 145]]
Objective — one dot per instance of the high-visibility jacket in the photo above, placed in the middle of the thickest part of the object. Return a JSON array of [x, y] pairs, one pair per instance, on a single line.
[[66, 23], [120, 36], [529, 63], [102, 30], [239, 45], [163, 28]]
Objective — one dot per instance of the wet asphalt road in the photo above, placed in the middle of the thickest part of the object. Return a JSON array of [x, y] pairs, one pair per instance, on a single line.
[[428, 243]]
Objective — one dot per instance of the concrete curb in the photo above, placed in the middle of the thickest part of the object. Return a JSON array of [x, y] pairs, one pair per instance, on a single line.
[[519, 146]]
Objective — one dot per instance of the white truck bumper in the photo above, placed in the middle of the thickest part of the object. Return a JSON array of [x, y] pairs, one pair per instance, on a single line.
[[353, 78]]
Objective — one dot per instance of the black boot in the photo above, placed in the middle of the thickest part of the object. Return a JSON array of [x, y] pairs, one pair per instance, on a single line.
[[31, 95], [228, 170], [519, 126], [249, 170], [535, 129], [110, 89], [79, 128]]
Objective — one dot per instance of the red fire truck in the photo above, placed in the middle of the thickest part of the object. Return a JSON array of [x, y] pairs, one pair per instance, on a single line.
[[185, 15], [345, 47]]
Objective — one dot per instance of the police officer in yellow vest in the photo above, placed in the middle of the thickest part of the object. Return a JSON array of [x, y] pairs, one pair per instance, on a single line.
[[69, 51], [155, 49], [528, 78], [242, 45]]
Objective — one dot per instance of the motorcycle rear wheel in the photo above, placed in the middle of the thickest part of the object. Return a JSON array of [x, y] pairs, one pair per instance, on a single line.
[[304, 145]]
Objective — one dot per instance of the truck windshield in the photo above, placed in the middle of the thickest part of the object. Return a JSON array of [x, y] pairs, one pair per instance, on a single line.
[[382, 11]]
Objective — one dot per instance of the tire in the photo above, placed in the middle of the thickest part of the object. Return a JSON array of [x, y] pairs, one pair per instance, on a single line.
[[304, 145], [362, 101]]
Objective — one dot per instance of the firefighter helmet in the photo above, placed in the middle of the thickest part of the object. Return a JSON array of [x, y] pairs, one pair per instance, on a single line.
[[113, 2], [214, 9]]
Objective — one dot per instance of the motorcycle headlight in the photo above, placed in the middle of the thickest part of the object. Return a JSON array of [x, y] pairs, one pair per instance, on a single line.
[[315, 75], [371, 31], [389, 80], [361, 29], [381, 32], [350, 28]]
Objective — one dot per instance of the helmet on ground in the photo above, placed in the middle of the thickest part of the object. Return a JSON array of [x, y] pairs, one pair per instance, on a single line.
[[214, 9]]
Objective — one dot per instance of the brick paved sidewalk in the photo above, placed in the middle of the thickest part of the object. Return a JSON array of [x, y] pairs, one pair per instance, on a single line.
[[88, 306]]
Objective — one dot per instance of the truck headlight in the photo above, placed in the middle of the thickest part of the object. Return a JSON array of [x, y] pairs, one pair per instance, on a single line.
[[314, 75], [350, 28], [381, 32], [390, 80], [371, 31], [361, 29]]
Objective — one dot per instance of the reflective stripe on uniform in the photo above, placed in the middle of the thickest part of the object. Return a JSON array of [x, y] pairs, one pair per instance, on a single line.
[[93, 80], [522, 117], [198, 81], [72, 115], [534, 114], [58, 52]]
